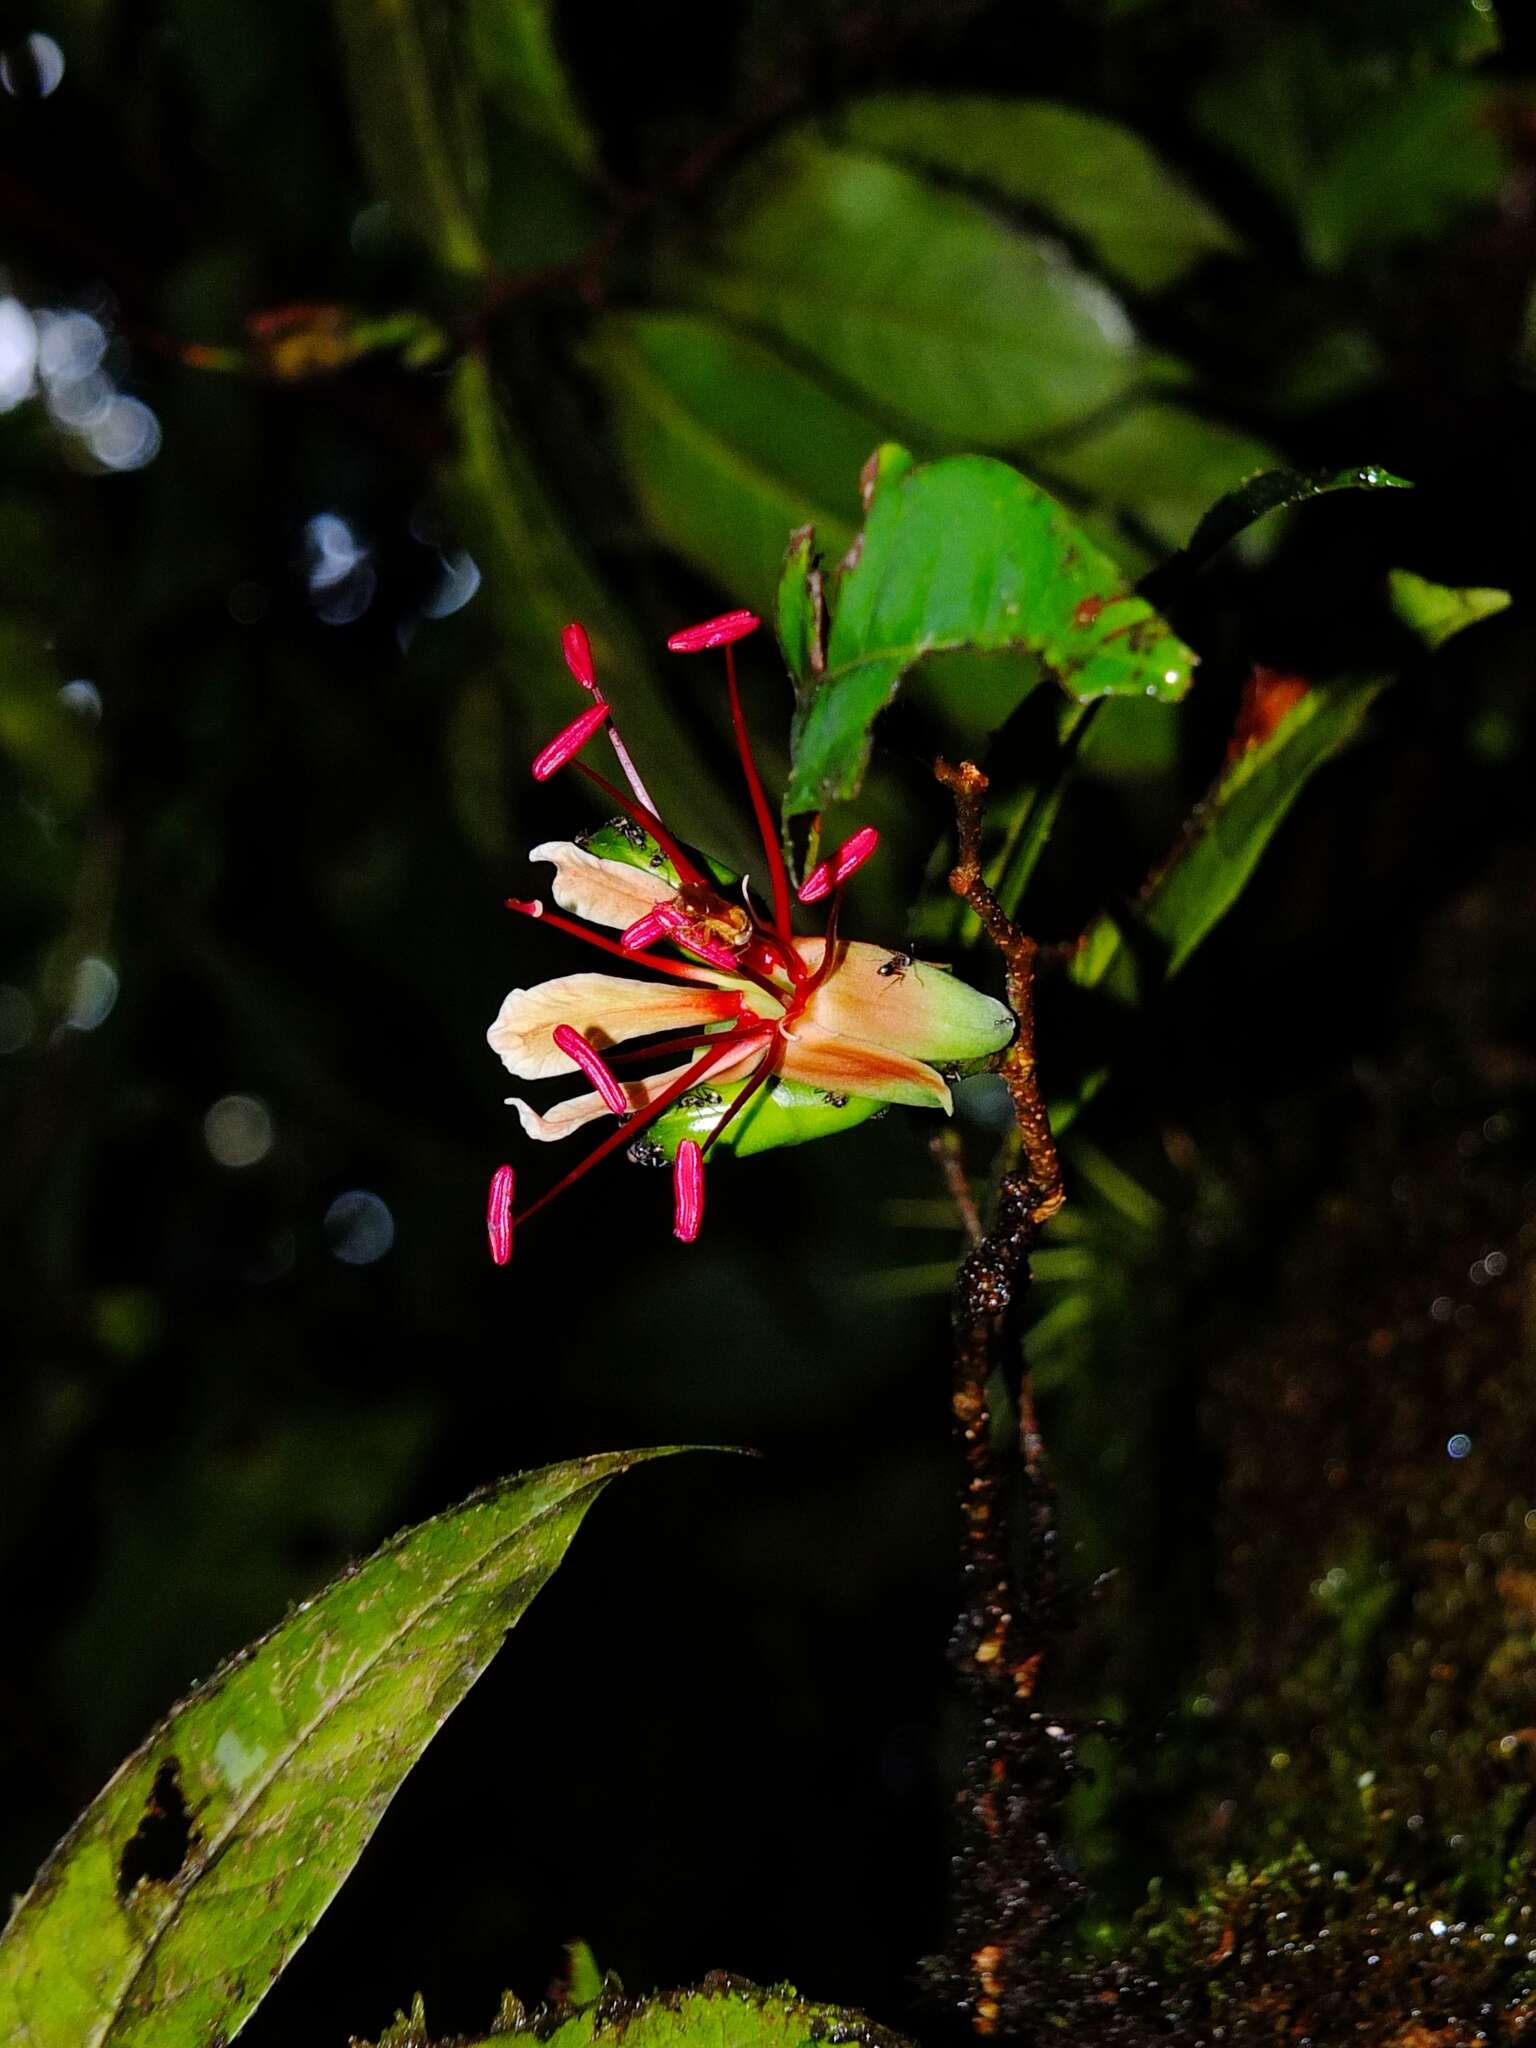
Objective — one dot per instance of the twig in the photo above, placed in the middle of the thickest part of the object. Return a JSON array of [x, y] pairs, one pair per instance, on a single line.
[[1012, 1889]]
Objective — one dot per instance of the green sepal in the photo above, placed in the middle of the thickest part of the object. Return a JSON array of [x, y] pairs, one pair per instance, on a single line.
[[622, 840], [783, 1113]]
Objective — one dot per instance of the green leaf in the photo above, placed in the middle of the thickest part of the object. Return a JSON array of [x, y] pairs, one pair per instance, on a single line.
[[1161, 463], [536, 579], [924, 300], [725, 446], [183, 1891], [1254, 498], [966, 553], [1221, 849], [784, 1113], [414, 129], [1437, 612], [1098, 179], [724, 2012], [512, 47], [1406, 171]]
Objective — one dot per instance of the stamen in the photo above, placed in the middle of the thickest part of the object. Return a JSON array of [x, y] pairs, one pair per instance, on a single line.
[[748, 1025], [718, 632], [498, 1214], [626, 1133], [569, 742], [677, 969], [643, 814], [593, 1065], [687, 1192], [577, 649], [832, 873], [659, 923], [777, 872]]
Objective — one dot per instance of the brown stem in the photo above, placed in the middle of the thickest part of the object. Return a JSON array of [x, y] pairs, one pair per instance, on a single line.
[[1011, 1887]]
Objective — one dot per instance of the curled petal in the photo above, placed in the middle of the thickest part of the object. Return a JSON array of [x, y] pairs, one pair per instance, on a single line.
[[607, 892], [909, 1006], [593, 1065], [577, 649], [604, 1009], [851, 1066], [718, 632], [687, 1192], [569, 742], [577, 1111], [498, 1214]]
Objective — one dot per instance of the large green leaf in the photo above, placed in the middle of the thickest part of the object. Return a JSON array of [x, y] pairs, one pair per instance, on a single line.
[[724, 2012], [968, 554], [924, 299], [726, 446], [180, 1895], [1222, 846], [1098, 179]]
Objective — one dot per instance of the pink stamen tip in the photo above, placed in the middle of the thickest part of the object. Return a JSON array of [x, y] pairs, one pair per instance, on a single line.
[[594, 1066], [710, 950], [498, 1214], [533, 909], [714, 633], [659, 923], [569, 742], [687, 1192], [848, 859], [577, 649]]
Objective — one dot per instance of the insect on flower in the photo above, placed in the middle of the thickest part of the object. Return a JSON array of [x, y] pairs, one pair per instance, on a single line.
[[786, 1037]]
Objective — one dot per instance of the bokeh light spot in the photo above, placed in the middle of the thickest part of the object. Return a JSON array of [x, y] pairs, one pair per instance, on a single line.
[[32, 68], [93, 995], [238, 1130], [359, 1228]]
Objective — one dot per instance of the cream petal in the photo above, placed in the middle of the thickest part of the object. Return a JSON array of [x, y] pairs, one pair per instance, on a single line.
[[606, 1009], [852, 1066], [572, 1115], [608, 892], [917, 1008]]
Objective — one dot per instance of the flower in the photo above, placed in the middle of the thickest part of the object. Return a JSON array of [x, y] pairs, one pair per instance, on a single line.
[[786, 1037]]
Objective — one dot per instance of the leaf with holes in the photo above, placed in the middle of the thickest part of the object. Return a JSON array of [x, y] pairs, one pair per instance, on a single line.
[[181, 1894], [962, 554]]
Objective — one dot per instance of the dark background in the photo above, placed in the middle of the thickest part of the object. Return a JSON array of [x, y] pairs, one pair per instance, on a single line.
[[721, 1738]]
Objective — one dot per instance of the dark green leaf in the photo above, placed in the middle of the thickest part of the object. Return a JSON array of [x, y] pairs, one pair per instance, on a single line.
[[1405, 171], [725, 446], [1098, 179], [414, 127], [1222, 846], [1255, 497], [925, 300], [180, 1895], [1162, 463], [966, 553], [512, 48], [1437, 612]]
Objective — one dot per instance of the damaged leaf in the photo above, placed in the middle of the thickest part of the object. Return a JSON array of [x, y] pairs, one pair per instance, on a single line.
[[961, 554], [180, 1895]]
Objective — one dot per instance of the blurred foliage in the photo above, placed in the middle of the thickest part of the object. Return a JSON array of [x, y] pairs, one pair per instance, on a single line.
[[343, 359]]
